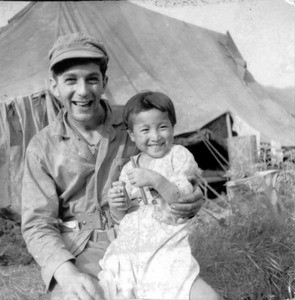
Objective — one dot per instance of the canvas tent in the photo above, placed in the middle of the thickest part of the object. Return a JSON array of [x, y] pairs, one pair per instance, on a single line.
[[202, 71]]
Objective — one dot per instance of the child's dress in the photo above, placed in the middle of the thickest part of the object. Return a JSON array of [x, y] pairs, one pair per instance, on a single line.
[[151, 257]]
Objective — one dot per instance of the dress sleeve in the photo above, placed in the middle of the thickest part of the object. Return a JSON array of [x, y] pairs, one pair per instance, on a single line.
[[184, 165]]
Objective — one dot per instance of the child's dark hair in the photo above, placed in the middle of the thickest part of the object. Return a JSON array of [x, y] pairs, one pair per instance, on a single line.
[[147, 100], [62, 66]]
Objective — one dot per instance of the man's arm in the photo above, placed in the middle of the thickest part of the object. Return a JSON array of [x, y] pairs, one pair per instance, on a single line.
[[40, 208]]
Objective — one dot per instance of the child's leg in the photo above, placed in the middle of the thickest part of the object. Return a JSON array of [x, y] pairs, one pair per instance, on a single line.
[[201, 290]]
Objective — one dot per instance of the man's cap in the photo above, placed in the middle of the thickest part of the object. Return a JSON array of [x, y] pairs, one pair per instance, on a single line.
[[76, 45]]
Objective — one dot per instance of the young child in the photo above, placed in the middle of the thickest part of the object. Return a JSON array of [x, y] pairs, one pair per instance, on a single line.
[[151, 257]]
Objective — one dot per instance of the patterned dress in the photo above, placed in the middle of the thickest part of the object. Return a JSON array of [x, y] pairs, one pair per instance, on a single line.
[[151, 257]]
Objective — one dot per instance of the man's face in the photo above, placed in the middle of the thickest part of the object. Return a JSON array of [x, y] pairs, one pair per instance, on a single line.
[[79, 88]]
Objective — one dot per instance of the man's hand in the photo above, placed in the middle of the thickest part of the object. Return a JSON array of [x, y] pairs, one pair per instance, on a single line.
[[189, 205], [77, 285]]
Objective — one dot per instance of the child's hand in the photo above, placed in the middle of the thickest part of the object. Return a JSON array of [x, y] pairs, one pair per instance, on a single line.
[[141, 177], [117, 197]]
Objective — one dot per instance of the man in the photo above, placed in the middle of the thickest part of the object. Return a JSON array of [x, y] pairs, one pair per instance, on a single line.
[[69, 168]]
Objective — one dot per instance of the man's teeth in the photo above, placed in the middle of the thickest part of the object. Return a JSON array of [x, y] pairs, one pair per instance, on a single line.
[[83, 104]]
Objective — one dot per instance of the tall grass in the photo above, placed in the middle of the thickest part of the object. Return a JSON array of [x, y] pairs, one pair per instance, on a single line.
[[251, 254]]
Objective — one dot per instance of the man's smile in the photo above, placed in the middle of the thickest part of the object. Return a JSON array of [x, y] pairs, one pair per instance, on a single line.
[[83, 103]]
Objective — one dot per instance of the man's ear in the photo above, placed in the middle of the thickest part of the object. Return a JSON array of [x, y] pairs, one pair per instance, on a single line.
[[131, 135], [105, 82], [53, 87]]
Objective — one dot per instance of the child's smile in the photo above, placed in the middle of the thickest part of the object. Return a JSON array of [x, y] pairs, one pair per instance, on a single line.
[[152, 132]]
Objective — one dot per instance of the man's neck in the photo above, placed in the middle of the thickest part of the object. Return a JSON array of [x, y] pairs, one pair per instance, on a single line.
[[91, 131], [91, 134]]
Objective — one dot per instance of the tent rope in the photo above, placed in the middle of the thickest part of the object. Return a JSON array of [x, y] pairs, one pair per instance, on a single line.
[[206, 140], [211, 148], [204, 184]]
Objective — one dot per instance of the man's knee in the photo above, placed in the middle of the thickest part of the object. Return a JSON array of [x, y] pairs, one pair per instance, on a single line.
[[201, 290]]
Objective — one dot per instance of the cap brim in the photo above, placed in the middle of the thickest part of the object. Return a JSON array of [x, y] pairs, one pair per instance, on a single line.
[[78, 53]]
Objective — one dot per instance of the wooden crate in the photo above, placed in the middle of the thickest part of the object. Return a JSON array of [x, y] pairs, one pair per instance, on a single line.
[[242, 152]]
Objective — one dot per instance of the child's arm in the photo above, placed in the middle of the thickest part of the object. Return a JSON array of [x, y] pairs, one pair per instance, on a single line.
[[118, 196], [117, 201], [168, 190], [141, 177]]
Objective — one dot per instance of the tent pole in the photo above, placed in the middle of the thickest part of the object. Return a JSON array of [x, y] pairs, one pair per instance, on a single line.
[[228, 125]]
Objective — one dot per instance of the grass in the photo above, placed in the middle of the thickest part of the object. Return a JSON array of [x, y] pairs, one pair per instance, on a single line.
[[250, 254], [247, 257], [21, 282], [19, 275]]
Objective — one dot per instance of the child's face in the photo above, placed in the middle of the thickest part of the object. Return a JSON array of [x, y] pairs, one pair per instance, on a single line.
[[80, 88], [152, 132]]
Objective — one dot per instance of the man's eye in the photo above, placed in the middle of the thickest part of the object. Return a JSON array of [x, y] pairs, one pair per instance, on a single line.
[[144, 130], [93, 80], [70, 80]]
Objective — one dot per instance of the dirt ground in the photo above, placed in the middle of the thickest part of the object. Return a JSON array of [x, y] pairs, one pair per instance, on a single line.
[[19, 275]]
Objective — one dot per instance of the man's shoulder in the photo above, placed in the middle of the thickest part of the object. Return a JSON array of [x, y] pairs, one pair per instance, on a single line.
[[46, 134], [52, 128]]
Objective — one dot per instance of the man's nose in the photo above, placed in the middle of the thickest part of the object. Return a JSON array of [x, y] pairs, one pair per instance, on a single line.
[[81, 88]]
